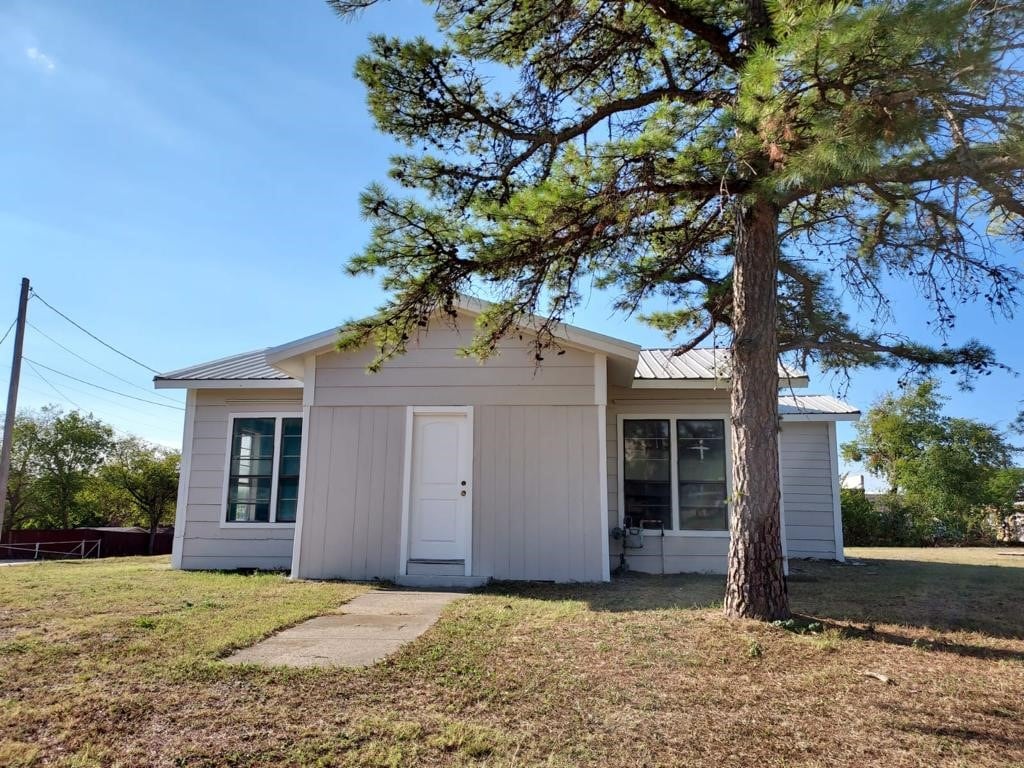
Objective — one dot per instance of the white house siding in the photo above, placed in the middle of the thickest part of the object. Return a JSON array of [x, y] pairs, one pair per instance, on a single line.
[[536, 504], [807, 474], [536, 508], [806, 484], [352, 509], [205, 544], [433, 373]]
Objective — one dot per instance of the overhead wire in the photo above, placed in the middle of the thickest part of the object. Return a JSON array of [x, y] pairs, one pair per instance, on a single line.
[[51, 385], [106, 416], [8, 331], [106, 389], [98, 367], [92, 335]]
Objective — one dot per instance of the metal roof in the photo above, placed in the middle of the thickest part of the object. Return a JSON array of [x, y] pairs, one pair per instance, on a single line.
[[652, 364], [814, 405], [248, 366], [664, 364]]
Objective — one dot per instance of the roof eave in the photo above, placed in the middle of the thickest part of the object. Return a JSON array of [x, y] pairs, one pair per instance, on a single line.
[[166, 383], [797, 382], [855, 416]]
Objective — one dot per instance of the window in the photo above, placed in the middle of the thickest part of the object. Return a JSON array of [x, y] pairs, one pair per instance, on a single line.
[[647, 471], [263, 469], [700, 447], [674, 473]]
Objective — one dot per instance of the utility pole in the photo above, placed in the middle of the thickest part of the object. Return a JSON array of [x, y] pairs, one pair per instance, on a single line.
[[12, 400]]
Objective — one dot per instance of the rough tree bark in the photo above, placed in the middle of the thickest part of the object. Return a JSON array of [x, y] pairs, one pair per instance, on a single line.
[[755, 586]]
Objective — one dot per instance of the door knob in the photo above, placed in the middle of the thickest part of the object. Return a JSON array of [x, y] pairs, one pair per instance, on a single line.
[[462, 493], [463, 482]]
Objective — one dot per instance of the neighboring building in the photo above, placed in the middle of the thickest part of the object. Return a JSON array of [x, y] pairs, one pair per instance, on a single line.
[[852, 482], [440, 470]]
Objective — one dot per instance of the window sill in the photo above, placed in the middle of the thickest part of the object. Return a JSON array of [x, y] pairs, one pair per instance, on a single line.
[[688, 534], [248, 526]]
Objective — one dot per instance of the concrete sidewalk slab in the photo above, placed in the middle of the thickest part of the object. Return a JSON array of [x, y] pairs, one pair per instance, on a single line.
[[366, 630]]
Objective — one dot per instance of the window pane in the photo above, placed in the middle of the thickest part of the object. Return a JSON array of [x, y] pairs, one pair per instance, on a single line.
[[647, 471], [702, 483], [251, 470], [252, 466], [249, 490], [288, 470]]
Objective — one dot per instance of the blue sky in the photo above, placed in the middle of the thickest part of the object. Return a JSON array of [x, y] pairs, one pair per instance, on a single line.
[[182, 179]]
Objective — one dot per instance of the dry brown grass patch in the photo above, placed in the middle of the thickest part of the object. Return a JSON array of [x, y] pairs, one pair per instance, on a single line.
[[115, 663]]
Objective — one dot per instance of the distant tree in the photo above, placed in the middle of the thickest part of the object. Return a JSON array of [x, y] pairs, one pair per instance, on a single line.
[[24, 469], [956, 471], [1007, 491], [70, 449], [739, 159], [148, 475], [895, 432]]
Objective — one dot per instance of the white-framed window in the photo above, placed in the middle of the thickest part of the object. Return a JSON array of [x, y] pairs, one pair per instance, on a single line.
[[674, 473], [263, 469]]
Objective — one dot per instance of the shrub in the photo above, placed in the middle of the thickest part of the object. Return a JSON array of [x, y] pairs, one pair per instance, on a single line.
[[885, 522]]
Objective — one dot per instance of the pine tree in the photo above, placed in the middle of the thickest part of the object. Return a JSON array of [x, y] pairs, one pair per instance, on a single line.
[[744, 160]]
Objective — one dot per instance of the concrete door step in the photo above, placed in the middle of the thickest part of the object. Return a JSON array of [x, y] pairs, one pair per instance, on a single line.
[[441, 581]]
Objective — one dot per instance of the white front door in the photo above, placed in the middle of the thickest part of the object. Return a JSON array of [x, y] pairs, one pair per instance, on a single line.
[[440, 498]]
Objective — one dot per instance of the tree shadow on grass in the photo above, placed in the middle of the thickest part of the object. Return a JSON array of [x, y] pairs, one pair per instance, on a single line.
[[935, 596], [938, 596], [925, 645]]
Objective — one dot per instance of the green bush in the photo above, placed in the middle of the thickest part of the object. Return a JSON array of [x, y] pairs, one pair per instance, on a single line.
[[885, 522], [892, 521]]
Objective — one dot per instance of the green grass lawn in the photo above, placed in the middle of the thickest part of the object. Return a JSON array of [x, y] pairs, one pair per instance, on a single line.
[[115, 663]]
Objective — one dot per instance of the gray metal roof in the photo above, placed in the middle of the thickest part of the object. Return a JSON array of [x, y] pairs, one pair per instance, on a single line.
[[652, 364], [814, 405], [248, 366], [695, 364]]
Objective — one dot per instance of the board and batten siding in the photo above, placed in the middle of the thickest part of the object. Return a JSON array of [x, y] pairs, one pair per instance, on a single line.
[[536, 507], [536, 501], [806, 471], [204, 542], [352, 508]]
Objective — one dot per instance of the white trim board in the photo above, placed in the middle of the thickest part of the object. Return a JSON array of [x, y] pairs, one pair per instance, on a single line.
[[837, 506], [301, 503], [184, 478]]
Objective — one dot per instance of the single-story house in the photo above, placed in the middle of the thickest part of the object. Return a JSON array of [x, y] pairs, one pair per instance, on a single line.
[[442, 470]]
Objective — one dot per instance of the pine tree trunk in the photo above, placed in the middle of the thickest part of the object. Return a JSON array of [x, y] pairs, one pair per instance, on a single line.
[[755, 587]]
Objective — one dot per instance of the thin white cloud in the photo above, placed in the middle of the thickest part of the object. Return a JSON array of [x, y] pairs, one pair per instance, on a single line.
[[44, 61]]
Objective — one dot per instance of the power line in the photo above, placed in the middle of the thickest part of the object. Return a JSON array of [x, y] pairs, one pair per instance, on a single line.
[[117, 404], [106, 389], [125, 355], [51, 385], [8, 331], [60, 394], [97, 367]]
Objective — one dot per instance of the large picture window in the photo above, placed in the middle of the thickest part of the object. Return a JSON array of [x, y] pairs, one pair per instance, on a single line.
[[263, 469], [674, 473]]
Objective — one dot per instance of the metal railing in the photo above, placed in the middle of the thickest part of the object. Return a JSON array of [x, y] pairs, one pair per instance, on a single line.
[[40, 549]]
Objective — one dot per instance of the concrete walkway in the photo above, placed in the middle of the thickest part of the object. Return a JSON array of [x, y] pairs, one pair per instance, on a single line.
[[367, 629]]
